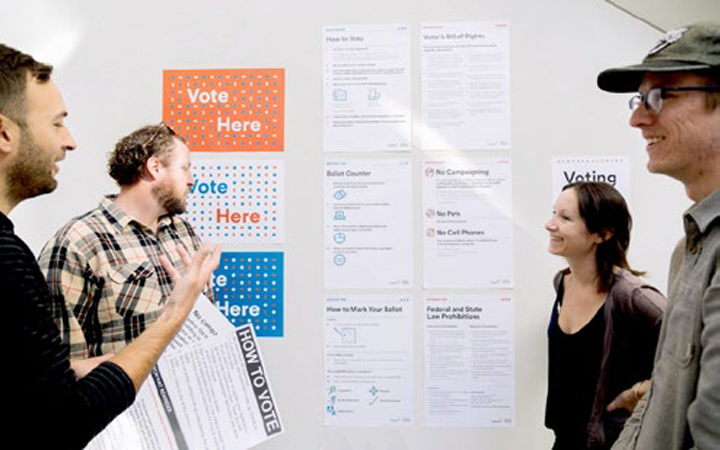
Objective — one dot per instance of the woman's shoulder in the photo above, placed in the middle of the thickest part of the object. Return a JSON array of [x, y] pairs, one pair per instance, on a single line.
[[627, 281], [631, 289]]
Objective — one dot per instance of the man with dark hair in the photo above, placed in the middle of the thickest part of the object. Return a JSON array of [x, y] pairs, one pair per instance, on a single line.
[[51, 403], [678, 112], [28, 175], [104, 266]]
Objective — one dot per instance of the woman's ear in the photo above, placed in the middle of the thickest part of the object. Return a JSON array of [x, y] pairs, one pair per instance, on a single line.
[[603, 236]]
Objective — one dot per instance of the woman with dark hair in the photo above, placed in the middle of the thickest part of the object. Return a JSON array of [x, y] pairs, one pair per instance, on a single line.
[[605, 322]]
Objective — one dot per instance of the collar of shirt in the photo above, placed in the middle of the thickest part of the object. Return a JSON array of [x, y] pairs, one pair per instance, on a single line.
[[6, 223], [698, 219], [121, 220]]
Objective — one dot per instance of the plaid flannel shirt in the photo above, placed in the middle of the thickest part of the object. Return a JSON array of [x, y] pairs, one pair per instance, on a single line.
[[105, 276]]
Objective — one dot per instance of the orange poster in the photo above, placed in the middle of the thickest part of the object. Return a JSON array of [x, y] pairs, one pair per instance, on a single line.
[[226, 110]]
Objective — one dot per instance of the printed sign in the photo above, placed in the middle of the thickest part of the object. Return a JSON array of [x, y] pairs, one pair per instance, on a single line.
[[226, 110], [613, 170], [248, 288], [237, 202]]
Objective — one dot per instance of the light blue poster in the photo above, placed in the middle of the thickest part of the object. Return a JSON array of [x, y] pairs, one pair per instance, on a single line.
[[248, 288]]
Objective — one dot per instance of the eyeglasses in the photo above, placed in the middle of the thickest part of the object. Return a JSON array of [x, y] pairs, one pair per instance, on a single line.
[[653, 99], [160, 128]]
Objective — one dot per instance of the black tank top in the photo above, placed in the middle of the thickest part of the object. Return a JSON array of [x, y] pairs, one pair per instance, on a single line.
[[573, 369]]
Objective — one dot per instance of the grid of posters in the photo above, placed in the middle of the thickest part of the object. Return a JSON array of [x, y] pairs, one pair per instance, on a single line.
[[368, 360], [467, 226], [210, 388], [366, 96], [368, 218], [469, 360], [467, 223], [465, 86]]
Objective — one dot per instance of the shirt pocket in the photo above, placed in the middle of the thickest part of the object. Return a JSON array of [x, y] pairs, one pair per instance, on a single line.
[[135, 289], [683, 330]]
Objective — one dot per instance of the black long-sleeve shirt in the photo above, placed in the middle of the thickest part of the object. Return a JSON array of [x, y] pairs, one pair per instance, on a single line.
[[47, 407]]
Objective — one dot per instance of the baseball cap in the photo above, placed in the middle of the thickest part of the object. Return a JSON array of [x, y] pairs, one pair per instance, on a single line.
[[692, 48]]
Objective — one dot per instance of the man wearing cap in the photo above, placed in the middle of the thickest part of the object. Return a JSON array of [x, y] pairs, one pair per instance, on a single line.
[[677, 109]]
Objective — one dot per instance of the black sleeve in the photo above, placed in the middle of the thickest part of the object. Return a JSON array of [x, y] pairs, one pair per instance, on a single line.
[[48, 407]]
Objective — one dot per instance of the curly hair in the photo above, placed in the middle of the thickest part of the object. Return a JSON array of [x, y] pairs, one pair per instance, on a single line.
[[15, 67], [126, 162]]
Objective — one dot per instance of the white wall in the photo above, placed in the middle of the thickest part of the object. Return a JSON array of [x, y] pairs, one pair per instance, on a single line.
[[109, 58]]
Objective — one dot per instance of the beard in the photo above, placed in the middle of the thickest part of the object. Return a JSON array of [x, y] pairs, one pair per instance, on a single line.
[[31, 173], [168, 199]]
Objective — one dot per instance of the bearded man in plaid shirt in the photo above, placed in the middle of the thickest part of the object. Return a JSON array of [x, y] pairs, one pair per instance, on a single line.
[[103, 268]]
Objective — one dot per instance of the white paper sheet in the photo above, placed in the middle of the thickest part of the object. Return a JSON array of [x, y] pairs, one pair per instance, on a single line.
[[465, 86], [368, 360], [209, 390], [469, 360], [368, 223], [367, 96], [467, 223]]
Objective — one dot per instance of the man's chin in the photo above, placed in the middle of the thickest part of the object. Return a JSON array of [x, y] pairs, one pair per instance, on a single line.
[[654, 167], [40, 190], [177, 209]]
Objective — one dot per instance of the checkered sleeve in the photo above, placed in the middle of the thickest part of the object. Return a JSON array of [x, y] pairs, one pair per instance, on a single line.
[[72, 289]]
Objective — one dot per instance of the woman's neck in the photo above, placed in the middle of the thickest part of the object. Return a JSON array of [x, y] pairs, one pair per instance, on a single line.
[[584, 271]]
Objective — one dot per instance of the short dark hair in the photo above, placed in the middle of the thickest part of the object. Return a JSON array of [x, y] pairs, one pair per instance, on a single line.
[[604, 211], [15, 66], [127, 162]]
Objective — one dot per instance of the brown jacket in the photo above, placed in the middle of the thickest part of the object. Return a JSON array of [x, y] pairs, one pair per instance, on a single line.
[[633, 315]]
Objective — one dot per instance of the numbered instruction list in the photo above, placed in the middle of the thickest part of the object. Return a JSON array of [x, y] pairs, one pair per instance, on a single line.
[[368, 223], [368, 360], [367, 87]]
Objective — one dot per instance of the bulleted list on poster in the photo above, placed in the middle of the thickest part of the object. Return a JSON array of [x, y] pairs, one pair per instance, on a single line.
[[366, 81], [209, 390], [368, 360], [467, 223], [368, 219]]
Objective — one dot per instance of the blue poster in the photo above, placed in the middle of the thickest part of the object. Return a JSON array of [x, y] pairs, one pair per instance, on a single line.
[[248, 288]]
